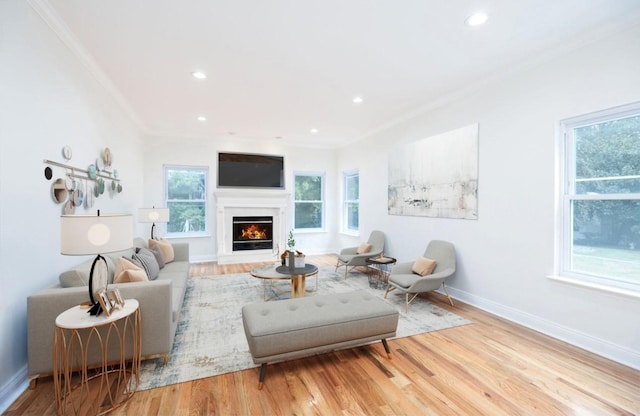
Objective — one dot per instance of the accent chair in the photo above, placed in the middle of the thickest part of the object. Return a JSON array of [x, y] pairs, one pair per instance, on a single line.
[[352, 257], [406, 280]]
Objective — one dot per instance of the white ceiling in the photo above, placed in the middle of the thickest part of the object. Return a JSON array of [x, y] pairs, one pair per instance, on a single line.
[[277, 68]]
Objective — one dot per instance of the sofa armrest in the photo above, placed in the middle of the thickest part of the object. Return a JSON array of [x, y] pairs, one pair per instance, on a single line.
[[181, 251], [44, 307]]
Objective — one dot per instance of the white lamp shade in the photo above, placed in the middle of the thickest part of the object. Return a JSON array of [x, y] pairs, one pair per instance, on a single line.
[[95, 234], [153, 215]]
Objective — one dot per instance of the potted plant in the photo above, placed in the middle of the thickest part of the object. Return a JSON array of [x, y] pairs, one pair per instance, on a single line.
[[296, 257]]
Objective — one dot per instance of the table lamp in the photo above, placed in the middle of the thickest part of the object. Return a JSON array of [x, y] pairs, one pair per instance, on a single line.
[[82, 235], [153, 215]]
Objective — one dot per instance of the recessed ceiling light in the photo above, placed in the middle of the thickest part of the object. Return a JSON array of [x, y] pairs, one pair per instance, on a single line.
[[199, 75], [314, 131], [202, 118], [476, 19], [357, 100]]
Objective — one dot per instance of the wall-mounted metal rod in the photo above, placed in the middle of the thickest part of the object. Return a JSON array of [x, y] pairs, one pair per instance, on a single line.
[[73, 168]]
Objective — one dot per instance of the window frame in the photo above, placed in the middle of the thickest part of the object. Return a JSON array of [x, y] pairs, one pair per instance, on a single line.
[[205, 170], [567, 195], [322, 176], [346, 175]]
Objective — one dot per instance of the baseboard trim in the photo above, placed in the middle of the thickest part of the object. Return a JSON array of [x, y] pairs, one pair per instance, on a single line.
[[579, 339], [13, 389]]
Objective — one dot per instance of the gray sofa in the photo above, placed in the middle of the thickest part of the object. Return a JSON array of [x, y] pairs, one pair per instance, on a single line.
[[160, 304]]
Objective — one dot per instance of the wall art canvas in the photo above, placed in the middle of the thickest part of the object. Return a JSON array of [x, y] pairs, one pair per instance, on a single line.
[[436, 176]]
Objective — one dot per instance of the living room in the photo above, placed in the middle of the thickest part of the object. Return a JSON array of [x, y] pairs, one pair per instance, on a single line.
[[507, 258]]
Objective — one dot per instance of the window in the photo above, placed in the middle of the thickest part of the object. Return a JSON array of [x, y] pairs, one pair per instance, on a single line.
[[600, 239], [186, 198], [309, 201], [351, 186]]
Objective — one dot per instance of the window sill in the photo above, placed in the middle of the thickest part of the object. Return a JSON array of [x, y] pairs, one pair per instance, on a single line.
[[595, 286], [179, 236]]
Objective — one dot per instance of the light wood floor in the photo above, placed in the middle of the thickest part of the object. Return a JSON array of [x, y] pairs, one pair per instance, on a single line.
[[491, 367]]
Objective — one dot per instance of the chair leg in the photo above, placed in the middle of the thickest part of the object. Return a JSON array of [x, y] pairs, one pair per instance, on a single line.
[[389, 289], [408, 301], [447, 292]]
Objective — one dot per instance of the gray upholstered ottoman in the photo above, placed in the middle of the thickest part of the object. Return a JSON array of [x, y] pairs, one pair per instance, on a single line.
[[294, 328]]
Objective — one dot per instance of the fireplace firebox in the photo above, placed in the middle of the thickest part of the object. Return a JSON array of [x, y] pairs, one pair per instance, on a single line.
[[252, 233]]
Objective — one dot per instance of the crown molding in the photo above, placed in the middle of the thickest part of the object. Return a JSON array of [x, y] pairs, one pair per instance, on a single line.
[[48, 14]]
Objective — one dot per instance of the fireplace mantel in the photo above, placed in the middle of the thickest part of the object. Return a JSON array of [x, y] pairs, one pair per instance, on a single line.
[[230, 203]]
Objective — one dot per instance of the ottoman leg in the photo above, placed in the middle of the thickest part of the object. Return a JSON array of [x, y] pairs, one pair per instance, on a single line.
[[263, 371], [386, 348]]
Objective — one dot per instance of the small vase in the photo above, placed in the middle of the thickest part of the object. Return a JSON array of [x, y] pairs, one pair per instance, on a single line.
[[292, 260]]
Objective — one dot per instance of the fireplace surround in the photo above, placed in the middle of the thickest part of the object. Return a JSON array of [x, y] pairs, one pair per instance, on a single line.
[[253, 204]]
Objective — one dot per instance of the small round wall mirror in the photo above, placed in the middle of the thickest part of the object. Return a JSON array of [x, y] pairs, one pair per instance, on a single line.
[[59, 191], [48, 173]]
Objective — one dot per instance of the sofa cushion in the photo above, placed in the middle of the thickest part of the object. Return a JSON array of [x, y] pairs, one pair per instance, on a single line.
[[423, 266], [148, 261], [127, 271], [165, 248], [79, 275], [158, 254]]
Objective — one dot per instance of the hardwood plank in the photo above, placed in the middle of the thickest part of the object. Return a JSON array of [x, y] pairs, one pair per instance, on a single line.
[[491, 367]]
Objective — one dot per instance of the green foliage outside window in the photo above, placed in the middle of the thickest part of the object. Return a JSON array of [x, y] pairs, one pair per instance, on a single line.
[[352, 201], [186, 199], [309, 203], [607, 163], [604, 204]]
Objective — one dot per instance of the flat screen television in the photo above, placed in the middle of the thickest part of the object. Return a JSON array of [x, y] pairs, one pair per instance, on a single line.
[[246, 170]]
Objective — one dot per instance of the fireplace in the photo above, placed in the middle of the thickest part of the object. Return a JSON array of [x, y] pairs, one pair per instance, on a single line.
[[232, 203], [252, 233]]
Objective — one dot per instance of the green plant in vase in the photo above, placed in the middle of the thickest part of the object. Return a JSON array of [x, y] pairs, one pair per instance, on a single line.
[[291, 242]]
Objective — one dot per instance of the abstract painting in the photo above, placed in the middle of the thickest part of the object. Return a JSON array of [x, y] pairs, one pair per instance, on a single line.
[[436, 176]]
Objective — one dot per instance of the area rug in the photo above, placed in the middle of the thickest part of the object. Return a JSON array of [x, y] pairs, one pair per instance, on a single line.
[[210, 338]]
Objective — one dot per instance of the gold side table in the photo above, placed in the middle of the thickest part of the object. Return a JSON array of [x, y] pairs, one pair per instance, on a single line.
[[96, 359]]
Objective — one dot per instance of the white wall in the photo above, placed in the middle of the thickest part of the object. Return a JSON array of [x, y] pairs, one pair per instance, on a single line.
[[180, 151], [506, 255], [47, 100]]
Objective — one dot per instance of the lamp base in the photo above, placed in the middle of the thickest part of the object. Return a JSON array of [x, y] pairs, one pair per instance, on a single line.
[[95, 310]]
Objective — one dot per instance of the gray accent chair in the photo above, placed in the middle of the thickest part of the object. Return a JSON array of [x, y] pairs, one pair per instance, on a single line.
[[349, 258], [405, 280]]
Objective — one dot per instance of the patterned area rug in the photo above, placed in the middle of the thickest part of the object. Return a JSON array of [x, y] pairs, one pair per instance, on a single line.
[[210, 338]]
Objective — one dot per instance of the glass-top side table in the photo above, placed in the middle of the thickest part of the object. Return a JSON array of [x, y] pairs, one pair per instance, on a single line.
[[82, 387]]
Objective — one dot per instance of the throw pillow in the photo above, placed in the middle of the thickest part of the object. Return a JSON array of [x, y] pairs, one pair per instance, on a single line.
[[148, 261], [159, 258], [165, 248], [423, 266], [126, 272], [363, 248]]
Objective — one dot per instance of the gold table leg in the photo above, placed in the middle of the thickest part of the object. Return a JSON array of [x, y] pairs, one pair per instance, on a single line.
[[298, 286]]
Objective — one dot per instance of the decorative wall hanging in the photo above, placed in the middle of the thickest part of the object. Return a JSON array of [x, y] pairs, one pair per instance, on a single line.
[[81, 186], [436, 176]]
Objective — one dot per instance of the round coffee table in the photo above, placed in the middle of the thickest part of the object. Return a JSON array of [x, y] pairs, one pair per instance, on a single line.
[[297, 277]]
